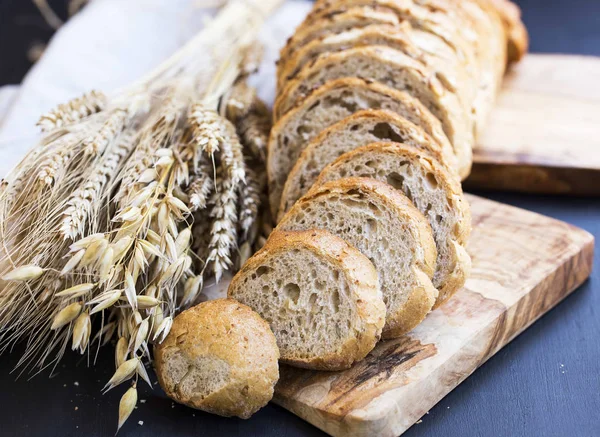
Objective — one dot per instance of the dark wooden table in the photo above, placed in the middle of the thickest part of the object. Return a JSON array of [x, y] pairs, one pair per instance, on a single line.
[[545, 383]]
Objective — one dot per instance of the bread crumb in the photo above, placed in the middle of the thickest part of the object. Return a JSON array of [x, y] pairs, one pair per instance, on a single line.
[[142, 401], [419, 421], [76, 408], [76, 384], [140, 423]]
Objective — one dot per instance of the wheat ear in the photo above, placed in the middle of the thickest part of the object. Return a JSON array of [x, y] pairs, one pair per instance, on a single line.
[[72, 111]]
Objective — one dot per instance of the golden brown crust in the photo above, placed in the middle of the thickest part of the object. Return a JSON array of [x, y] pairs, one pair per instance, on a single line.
[[421, 298], [360, 275], [456, 279], [229, 333]]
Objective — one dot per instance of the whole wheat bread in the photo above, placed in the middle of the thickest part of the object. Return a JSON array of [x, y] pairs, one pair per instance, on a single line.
[[424, 47], [386, 227], [436, 18], [359, 129], [320, 296], [395, 70], [327, 105], [220, 357], [433, 191], [352, 17]]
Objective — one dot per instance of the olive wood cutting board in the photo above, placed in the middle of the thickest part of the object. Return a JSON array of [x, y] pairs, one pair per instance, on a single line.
[[543, 135], [523, 264]]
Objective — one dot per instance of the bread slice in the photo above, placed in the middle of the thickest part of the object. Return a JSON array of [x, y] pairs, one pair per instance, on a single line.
[[385, 226], [424, 47], [220, 357], [359, 129], [327, 105], [435, 17], [433, 191], [352, 17], [509, 12], [320, 296], [395, 70], [472, 28]]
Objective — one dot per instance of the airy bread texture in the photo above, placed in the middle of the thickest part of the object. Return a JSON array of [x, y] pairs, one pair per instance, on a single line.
[[220, 357], [359, 129], [394, 69], [432, 190], [327, 105], [385, 226], [424, 47], [320, 296]]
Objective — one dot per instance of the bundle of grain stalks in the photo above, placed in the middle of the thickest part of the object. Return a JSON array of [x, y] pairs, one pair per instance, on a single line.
[[130, 204]]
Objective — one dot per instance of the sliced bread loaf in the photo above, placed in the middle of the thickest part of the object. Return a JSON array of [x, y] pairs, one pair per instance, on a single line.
[[424, 47], [320, 296], [327, 105], [352, 17], [431, 16], [385, 226], [362, 128], [435, 192], [393, 69]]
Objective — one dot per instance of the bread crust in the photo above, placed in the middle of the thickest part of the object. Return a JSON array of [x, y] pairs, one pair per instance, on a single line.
[[361, 277], [425, 120], [427, 143], [462, 261], [516, 32], [456, 122], [229, 333], [422, 297]]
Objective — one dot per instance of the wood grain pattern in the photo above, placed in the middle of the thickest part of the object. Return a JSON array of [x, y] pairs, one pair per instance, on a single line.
[[523, 265], [543, 136]]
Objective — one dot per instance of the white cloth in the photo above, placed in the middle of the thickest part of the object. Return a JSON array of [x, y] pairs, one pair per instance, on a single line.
[[110, 44]]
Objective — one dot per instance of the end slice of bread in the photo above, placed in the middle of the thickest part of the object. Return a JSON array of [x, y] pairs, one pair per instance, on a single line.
[[385, 226], [320, 296], [360, 129], [433, 191], [220, 357], [327, 105]]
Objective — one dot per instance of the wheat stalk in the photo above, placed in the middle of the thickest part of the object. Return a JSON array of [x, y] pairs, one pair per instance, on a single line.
[[102, 220], [72, 111]]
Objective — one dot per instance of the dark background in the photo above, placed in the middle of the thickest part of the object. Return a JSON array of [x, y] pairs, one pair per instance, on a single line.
[[545, 383]]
